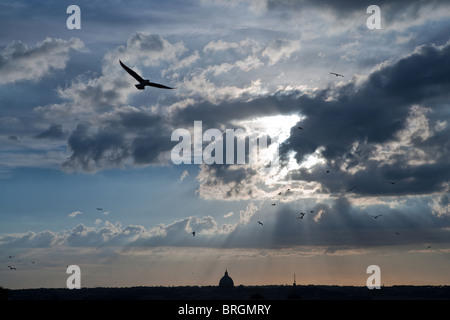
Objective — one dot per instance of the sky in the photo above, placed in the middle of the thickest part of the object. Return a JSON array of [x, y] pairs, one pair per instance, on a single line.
[[355, 171]]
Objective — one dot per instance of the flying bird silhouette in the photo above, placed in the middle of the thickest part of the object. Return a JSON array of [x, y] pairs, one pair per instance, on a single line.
[[260, 223], [302, 214], [143, 82], [337, 74], [273, 204], [351, 189], [193, 233], [392, 182], [11, 268], [397, 233], [300, 128], [379, 215], [100, 209]]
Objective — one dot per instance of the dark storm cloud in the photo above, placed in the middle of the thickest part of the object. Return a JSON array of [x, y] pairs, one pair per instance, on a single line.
[[129, 135], [236, 182], [153, 135], [352, 122], [131, 119], [147, 148], [53, 132], [94, 151], [375, 113], [13, 138]]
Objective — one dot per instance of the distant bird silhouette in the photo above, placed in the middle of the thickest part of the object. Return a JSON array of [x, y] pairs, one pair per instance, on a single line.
[[379, 215], [193, 233], [300, 128], [143, 82], [312, 211], [279, 194], [260, 223], [397, 233], [337, 74], [351, 189], [302, 215], [328, 171], [429, 247], [273, 204], [10, 257], [100, 209], [392, 182], [11, 268]]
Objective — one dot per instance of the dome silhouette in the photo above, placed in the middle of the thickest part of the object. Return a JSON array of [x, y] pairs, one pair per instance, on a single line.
[[226, 281]]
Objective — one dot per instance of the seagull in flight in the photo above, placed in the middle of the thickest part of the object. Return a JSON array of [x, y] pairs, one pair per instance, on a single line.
[[337, 74], [273, 204], [193, 233], [351, 189], [375, 217], [392, 182], [142, 82], [300, 128], [100, 209], [260, 223], [11, 268], [302, 214]]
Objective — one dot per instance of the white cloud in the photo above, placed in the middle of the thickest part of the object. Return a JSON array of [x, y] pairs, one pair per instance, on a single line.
[[183, 63], [440, 204], [19, 61], [242, 46], [417, 128], [280, 49], [184, 175], [246, 215], [202, 86], [146, 49], [74, 214], [229, 214]]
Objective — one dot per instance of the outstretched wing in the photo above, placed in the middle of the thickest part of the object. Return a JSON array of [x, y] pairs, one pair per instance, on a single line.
[[132, 73], [157, 85]]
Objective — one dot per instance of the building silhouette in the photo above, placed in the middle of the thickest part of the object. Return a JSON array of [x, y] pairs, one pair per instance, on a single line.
[[226, 281]]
